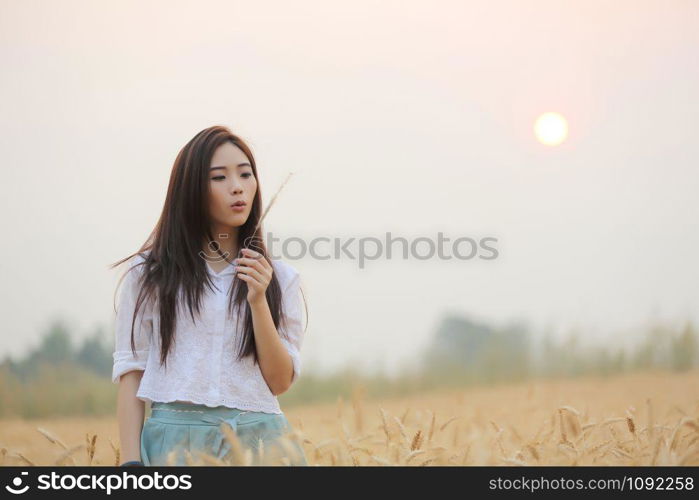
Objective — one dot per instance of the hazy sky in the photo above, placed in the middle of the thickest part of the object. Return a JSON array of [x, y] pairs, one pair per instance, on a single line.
[[408, 117]]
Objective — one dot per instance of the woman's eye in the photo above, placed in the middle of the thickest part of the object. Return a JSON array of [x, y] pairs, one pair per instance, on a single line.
[[221, 177]]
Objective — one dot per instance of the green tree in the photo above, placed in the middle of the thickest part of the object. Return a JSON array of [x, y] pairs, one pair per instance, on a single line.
[[95, 354], [684, 349]]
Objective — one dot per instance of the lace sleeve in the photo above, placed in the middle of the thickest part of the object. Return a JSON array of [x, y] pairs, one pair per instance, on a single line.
[[292, 334], [124, 358]]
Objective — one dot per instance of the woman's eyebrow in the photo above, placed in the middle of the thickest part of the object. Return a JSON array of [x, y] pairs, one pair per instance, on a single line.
[[244, 164]]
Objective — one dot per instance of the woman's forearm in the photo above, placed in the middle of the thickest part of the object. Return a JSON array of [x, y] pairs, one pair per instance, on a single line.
[[275, 363], [130, 415]]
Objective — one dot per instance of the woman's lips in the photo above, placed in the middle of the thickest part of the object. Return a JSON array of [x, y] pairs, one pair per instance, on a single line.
[[238, 208]]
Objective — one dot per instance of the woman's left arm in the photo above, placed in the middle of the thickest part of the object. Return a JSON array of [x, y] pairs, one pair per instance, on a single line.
[[275, 361]]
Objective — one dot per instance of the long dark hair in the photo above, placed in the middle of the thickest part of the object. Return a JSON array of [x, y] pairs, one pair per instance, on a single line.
[[171, 254]]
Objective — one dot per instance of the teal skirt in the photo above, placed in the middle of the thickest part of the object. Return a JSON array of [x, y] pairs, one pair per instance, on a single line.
[[179, 433]]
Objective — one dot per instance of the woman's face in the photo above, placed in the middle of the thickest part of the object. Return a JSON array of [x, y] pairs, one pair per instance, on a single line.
[[231, 180]]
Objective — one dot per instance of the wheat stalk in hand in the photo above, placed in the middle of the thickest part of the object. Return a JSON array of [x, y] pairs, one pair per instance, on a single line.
[[264, 214], [271, 202]]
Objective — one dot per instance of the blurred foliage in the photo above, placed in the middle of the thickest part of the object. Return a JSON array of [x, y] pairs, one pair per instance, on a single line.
[[59, 378]]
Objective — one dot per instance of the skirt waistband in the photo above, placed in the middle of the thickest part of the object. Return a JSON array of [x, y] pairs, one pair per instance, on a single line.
[[201, 413]]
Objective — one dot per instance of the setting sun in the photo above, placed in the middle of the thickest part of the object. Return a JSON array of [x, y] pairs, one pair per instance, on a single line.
[[551, 129]]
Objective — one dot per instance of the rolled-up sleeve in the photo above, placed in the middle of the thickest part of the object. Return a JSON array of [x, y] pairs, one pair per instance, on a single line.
[[124, 358], [292, 335]]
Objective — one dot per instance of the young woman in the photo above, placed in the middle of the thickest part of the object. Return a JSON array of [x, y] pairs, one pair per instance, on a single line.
[[210, 340]]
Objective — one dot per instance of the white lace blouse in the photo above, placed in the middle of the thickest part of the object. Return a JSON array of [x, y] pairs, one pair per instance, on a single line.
[[202, 366]]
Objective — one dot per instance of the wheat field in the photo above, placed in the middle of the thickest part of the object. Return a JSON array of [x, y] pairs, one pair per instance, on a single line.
[[634, 419]]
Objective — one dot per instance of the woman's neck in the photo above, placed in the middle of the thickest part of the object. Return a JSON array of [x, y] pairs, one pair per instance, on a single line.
[[226, 241]]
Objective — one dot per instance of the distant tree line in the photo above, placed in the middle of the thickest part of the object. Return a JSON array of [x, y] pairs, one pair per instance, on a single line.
[[56, 347], [61, 377], [464, 350]]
